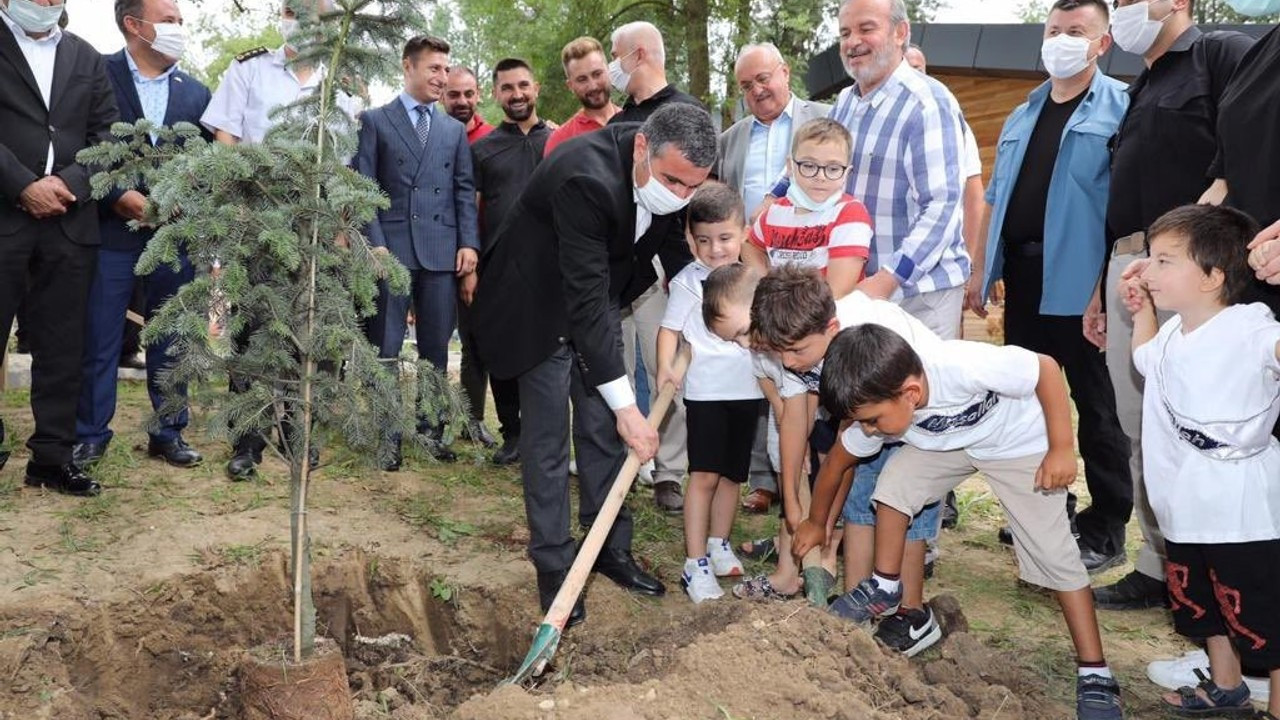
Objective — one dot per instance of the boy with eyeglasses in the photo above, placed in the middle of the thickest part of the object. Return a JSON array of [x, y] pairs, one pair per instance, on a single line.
[[817, 224]]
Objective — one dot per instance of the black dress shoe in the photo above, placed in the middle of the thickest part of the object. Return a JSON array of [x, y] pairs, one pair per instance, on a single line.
[[478, 433], [177, 453], [4, 454], [509, 453], [441, 452], [391, 456], [667, 496], [1134, 591], [86, 454], [243, 464], [549, 585], [1096, 561], [68, 479], [1005, 535], [620, 567]]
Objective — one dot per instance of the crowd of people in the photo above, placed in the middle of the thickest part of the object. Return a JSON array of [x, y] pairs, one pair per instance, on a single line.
[[815, 259]]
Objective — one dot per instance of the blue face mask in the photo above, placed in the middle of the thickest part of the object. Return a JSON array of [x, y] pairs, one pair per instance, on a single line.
[[33, 17], [1255, 8], [801, 199]]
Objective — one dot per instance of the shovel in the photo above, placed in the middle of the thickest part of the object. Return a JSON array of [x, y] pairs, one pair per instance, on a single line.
[[547, 639]]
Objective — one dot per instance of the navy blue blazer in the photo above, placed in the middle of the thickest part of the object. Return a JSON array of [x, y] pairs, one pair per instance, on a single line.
[[432, 192], [188, 98]]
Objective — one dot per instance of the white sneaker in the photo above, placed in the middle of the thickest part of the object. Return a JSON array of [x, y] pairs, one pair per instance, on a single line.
[[1179, 672], [645, 476], [699, 582], [723, 562]]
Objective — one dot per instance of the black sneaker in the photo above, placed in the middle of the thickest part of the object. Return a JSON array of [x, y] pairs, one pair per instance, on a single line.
[[1098, 698], [1096, 561], [950, 514], [908, 631], [1134, 591]]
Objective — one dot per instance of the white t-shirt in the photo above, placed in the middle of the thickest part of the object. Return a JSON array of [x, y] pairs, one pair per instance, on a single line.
[[854, 309], [719, 369], [972, 158], [982, 399], [1211, 467]]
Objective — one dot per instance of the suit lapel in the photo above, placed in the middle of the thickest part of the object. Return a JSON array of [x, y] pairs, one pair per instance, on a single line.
[[118, 67], [63, 65], [10, 51], [743, 141], [400, 121], [176, 85]]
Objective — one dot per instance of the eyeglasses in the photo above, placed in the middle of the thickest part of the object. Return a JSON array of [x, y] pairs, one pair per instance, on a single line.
[[810, 169], [761, 79]]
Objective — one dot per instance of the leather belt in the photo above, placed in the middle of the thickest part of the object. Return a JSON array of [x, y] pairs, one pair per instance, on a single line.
[[1024, 250], [1131, 244]]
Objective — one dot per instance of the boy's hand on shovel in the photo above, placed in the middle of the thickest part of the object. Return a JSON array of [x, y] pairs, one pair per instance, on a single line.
[[808, 535]]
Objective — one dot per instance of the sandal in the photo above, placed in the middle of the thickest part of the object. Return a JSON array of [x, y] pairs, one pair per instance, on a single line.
[[761, 549], [1219, 702], [759, 588]]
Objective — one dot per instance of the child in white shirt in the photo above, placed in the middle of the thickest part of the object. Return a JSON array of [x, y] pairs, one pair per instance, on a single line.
[[722, 399], [1210, 463]]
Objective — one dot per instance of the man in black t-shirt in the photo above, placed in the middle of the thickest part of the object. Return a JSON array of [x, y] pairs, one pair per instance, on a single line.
[[502, 163], [1045, 236]]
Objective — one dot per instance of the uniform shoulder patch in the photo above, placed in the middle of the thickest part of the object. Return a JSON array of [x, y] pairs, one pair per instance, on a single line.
[[251, 54]]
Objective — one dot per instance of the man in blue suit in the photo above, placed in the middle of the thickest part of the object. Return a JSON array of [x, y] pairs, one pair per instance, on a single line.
[[420, 157], [147, 84]]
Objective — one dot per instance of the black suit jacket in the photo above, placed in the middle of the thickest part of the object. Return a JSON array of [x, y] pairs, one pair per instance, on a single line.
[[188, 97], [566, 254], [82, 109]]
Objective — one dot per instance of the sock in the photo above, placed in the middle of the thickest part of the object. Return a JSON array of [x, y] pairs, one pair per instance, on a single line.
[[888, 583], [1098, 668]]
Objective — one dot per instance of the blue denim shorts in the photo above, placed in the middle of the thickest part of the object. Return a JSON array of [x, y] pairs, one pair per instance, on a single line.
[[858, 509]]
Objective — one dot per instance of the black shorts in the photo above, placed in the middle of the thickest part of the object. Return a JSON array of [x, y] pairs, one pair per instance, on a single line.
[[721, 433], [1230, 589]]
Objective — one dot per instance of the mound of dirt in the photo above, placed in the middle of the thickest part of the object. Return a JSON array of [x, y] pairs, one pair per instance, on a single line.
[[786, 662]]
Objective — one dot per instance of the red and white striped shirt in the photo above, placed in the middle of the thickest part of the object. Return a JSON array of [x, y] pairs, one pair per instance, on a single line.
[[813, 239]]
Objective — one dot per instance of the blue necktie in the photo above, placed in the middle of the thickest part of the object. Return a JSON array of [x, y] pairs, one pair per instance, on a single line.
[[423, 127]]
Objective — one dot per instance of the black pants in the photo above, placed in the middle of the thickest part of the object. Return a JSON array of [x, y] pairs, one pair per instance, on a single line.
[[506, 393], [546, 391], [1103, 445], [41, 269]]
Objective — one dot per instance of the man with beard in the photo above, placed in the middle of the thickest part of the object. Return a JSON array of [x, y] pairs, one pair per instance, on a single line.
[[502, 162], [908, 140], [461, 95], [587, 76]]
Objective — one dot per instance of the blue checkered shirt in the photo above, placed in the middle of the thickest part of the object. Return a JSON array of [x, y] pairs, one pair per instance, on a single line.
[[153, 93], [908, 146]]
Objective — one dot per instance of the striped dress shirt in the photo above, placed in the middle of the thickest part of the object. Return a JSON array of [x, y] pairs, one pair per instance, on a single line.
[[908, 144]]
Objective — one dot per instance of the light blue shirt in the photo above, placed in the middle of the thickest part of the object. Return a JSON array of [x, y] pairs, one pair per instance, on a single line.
[[1075, 228], [153, 93], [766, 157], [411, 107]]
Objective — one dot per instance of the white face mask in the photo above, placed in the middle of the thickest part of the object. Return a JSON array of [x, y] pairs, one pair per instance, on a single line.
[[1064, 55], [288, 27], [1133, 30], [618, 77], [656, 197], [1255, 8], [171, 40], [32, 17], [801, 199]]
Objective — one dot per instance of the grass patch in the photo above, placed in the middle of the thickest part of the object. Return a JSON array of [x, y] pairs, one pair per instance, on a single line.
[[423, 511], [9, 488], [232, 555]]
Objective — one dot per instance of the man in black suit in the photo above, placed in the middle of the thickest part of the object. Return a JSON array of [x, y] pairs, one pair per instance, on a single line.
[[57, 101], [147, 84], [576, 247]]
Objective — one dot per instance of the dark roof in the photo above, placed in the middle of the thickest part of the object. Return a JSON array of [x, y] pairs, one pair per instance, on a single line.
[[1011, 51]]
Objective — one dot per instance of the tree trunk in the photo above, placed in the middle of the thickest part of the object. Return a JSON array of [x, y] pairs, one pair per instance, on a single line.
[[696, 14]]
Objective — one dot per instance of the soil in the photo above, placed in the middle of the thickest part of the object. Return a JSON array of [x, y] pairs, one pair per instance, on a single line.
[[138, 605]]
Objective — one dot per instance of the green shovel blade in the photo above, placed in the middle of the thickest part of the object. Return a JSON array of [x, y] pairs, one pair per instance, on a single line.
[[545, 643], [817, 585]]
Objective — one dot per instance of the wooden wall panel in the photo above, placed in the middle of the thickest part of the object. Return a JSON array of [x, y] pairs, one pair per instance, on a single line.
[[986, 102]]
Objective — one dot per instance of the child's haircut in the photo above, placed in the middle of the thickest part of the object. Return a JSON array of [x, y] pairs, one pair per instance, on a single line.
[[1216, 238], [791, 303], [865, 364], [822, 130], [728, 284], [715, 202]]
